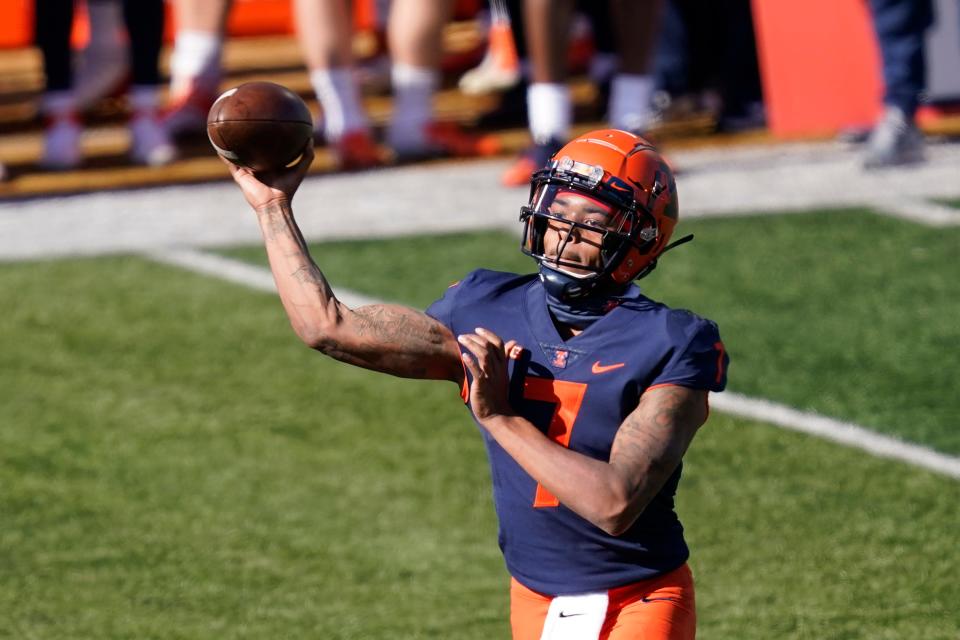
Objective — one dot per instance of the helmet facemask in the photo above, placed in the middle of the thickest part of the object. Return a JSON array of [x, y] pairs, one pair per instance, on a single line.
[[628, 228]]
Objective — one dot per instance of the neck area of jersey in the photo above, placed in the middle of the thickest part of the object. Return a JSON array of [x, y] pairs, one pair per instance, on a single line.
[[575, 308]]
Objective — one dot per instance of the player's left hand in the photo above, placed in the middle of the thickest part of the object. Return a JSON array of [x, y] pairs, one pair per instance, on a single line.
[[487, 364]]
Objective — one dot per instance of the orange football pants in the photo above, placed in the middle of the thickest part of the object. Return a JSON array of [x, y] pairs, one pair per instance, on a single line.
[[662, 608]]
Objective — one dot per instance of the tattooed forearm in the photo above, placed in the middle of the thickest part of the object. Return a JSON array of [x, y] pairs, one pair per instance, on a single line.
[[652, 440], [386, 338], [401, 341]]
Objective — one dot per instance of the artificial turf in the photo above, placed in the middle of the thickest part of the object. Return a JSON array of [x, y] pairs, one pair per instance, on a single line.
[[175, 464], [846, 313]]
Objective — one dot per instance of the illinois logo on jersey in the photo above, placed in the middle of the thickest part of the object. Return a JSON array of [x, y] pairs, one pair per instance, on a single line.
[[559, 359]]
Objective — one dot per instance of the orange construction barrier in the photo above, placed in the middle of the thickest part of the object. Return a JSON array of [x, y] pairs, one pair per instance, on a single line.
[[820, 65]]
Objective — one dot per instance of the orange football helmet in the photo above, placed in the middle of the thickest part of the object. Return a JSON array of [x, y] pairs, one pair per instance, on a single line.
[[623, 171]]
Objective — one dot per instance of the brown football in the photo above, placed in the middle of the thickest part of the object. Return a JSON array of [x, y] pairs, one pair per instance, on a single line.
[[260, 125]]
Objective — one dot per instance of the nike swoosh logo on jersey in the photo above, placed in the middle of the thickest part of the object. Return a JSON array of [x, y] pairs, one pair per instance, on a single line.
[[569, 615], [603, 368]]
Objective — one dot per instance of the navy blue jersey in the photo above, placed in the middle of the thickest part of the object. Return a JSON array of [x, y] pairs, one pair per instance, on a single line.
[[578, 392]]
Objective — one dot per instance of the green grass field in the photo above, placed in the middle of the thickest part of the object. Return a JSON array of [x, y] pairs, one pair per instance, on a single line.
[[174, 464], [842, 312]]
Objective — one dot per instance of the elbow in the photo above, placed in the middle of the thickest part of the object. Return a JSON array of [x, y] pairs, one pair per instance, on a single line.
[[313, 335], [616, 525], [620, 516]]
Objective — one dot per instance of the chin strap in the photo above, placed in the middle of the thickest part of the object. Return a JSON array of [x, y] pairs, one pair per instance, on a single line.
[[573, 303], [676, 243], [570, 304]]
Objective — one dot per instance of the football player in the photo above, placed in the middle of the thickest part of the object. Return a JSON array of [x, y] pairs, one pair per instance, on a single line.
[[586, 392]]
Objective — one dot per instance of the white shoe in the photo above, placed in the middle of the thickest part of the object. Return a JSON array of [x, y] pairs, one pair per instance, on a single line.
[[894, 141], [61, 144], [149, 142], [499, 70]]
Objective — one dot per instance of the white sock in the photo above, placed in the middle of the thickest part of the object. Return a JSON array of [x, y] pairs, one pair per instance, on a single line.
[[549, 110], [630, 102], [340, 99], [106, 24], [196, 57], [413, 89]]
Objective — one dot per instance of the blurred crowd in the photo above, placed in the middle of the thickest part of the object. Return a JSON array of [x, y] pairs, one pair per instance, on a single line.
[[650, 60]]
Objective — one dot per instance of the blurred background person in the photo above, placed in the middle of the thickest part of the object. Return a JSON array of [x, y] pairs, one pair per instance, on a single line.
[[102, 67], [706, 63], [901, 27], [324, 29], [549, 105], [195, 64], [58, 105], [415, 39]]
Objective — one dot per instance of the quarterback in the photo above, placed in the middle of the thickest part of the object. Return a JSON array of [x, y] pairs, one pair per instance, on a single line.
[[586, 392]]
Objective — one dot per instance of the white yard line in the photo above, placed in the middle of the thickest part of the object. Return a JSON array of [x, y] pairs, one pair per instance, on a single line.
[[845, 433], [925, 212], [239, 272]]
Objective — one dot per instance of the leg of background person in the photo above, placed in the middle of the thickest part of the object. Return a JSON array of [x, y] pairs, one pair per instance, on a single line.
[[104, 64], [61, 143], [739, 74], [54, 20], [671, 60], [637, 23], [325, 34], [606, 60], [549, 106], [900, 27], [150, 143], [415, 34], [704, 41], [415, 37], [195, 64]]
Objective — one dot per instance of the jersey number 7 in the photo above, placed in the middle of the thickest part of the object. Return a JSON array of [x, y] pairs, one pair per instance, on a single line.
[[566, 397]]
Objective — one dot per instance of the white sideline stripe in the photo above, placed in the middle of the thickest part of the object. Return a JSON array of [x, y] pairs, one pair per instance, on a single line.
[[932, 214], [238, 272], [845, 433]]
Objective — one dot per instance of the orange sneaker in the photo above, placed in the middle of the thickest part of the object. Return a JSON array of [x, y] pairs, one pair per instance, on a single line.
[[451, 140], [356, 150], [448, 140], [532, 159]]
